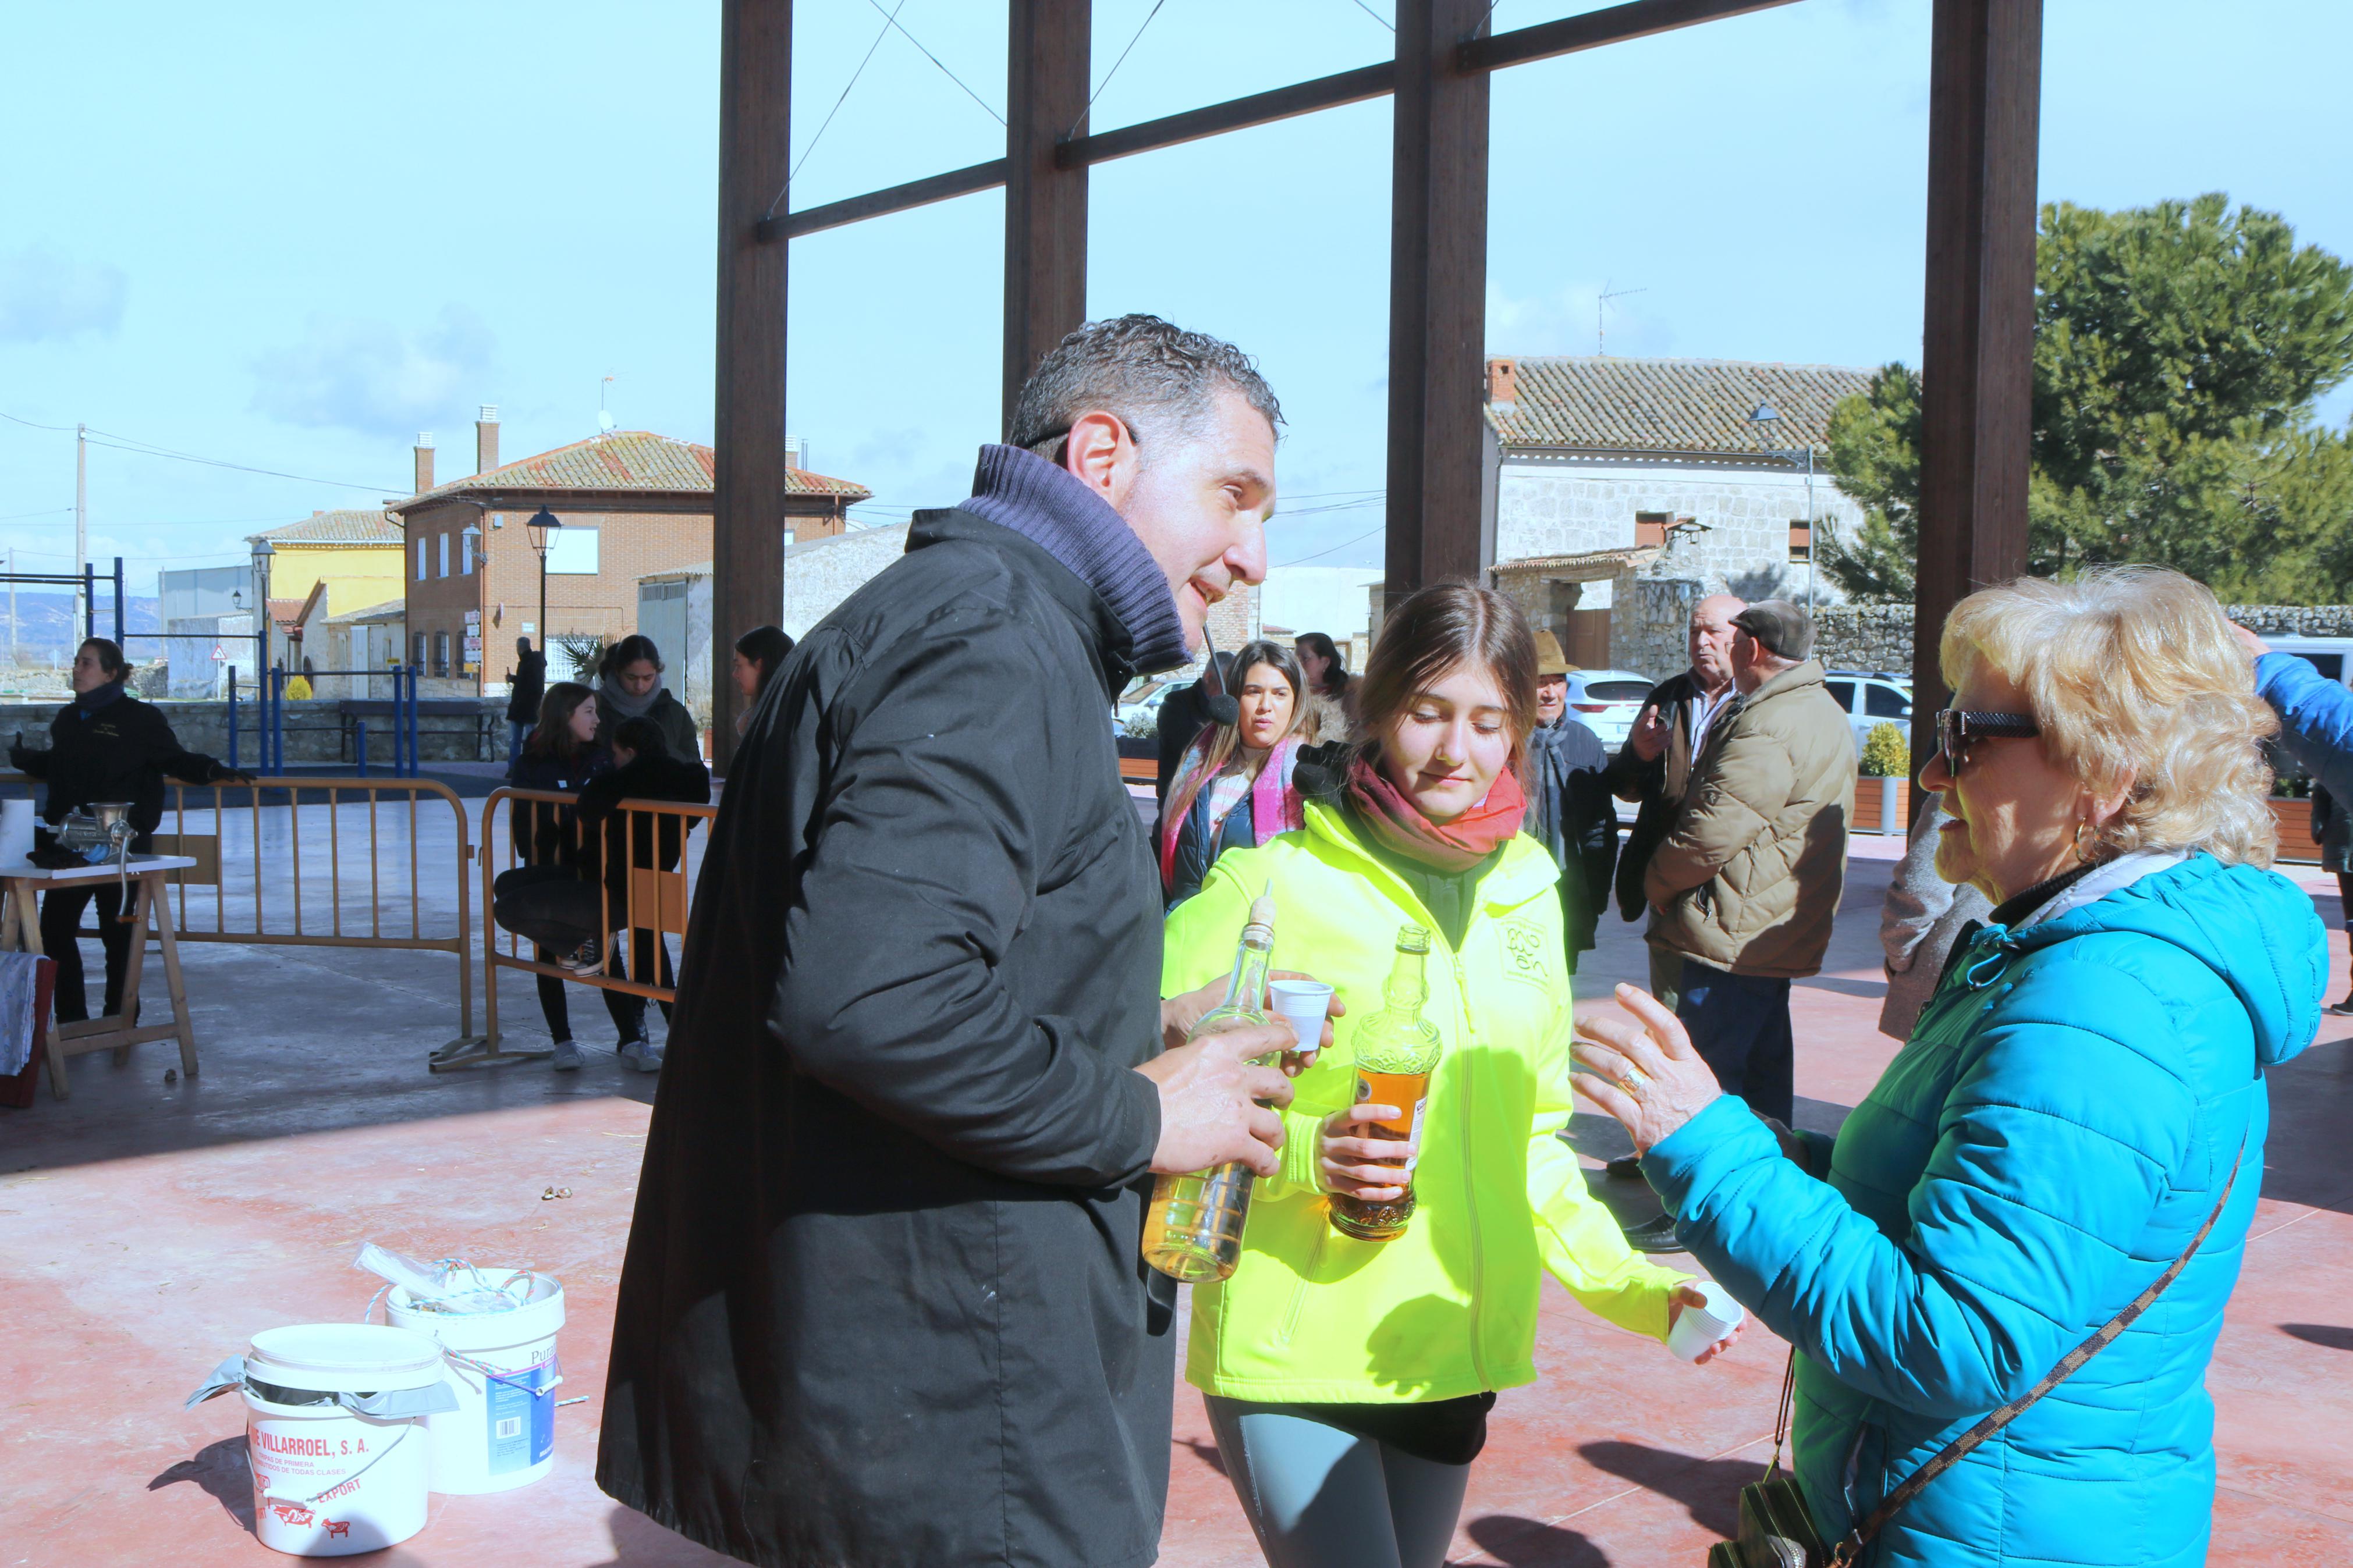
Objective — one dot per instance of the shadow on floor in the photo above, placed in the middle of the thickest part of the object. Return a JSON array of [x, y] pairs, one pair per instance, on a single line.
[[220, 1469], [1709, 1490], [1527, 1543], [2327, 1336]]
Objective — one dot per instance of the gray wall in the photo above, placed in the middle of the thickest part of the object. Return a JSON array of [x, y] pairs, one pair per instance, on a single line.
[[312, 732]]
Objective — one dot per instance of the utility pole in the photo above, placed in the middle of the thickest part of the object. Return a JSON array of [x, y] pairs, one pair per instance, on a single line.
[[81, 517], [12, 612]]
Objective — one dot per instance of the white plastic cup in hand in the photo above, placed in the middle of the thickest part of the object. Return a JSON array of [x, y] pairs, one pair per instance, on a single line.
[[1699, 1328], [1303, 1004]]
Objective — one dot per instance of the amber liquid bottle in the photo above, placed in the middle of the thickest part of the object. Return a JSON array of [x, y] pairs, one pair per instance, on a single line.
[[1193, 1231], [1396, 1050]]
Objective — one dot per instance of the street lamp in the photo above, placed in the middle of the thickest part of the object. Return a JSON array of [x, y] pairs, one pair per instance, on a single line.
[[1767, 421], [262, 551], [543, 526]]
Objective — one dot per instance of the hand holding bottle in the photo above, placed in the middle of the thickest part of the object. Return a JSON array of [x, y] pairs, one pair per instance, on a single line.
[[1351, 1161], [1179, 1014], [1216, 1105]]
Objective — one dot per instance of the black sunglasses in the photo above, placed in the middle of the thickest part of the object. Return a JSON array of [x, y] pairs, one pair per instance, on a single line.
[[1959, 728]]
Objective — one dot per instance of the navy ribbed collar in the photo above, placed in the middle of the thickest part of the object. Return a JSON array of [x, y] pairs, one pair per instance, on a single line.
[[1049, 506], [98, 697]]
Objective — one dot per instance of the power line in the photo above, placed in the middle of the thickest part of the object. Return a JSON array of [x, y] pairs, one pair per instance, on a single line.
[[888, 23], [1098, 92], [936, 59], [34, 425], [1384, 21], [132, 444], [53, 511], [1342, 546]]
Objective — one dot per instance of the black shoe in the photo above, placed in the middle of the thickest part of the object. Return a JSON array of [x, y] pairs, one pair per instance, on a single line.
[[2344, 1008], [1657, 1235], [1625, 1165]]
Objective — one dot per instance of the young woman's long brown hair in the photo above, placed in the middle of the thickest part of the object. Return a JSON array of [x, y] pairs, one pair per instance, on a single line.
[[552, 736], [1437, 628], [1225, 740]]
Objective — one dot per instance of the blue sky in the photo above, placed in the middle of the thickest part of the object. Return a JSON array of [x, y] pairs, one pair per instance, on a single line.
[[290, 237]]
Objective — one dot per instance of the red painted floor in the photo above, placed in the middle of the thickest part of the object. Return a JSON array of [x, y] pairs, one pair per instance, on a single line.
[[146, 1231]]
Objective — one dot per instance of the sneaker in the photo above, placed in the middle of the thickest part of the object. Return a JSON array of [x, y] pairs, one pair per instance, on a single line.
[[642, 1054], [1625, 1165], [585, 959], [568, 1058], [1657, 1235], [2344, 1008]]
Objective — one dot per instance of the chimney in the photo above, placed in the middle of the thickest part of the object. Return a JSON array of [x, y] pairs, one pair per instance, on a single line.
[[424, 461], [796, 453], [1503, 381], [486, 439]]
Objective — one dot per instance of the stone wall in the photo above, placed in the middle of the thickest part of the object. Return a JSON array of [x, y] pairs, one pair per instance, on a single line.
[[1650, 625], [1864, 636], [2294, 620], [313, 732]]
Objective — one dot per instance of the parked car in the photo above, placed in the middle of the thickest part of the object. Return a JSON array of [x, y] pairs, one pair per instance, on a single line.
[[1138, 712], [1607, 700], [1871, 697]]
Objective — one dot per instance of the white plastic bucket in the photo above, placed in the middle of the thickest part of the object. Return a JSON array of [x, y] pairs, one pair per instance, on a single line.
[[503, 1368], [329, 1481]]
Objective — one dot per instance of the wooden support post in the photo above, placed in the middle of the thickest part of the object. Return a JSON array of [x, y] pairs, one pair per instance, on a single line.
[[747, 543], [1438, 285], [1977, 362], [1046, 53]]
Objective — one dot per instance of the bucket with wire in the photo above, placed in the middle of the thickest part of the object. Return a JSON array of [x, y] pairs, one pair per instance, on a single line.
[[497, 1328]]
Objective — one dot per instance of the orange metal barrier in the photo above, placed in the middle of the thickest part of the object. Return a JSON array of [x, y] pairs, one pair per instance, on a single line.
[[652, 901]]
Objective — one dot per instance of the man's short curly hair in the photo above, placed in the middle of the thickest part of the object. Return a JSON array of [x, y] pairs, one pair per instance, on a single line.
[[1158, 378], [2133, 671]]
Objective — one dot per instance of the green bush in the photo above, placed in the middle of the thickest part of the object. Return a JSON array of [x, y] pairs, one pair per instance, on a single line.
[[1886, 753]]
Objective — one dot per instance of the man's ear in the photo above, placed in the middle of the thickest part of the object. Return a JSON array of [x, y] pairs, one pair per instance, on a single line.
[[1101, 452]]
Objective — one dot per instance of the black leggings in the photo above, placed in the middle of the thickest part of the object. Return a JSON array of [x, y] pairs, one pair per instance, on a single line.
[[559, 912], [61, 908]]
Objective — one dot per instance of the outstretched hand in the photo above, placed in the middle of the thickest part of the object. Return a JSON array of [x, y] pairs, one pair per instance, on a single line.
[[1685, 1295], [1643, 1070], [1179, 1014]]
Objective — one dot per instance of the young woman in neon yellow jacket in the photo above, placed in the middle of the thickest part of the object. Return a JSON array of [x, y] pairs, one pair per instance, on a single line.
[[1350, 1381]]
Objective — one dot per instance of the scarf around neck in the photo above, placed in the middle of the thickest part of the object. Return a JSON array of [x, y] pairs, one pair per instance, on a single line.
[[1274, 800], [1397, 824], [610, 693], [98, 697]]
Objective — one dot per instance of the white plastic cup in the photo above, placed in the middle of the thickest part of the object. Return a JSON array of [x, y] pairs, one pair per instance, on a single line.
[[1698, 1327], [1303, 1004]]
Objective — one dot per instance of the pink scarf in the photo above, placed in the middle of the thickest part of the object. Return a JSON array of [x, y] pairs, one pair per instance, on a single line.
[[1274, 803], [1390, 815]]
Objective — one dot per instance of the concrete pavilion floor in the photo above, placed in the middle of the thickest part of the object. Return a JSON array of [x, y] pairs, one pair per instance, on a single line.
[[146, 1230]]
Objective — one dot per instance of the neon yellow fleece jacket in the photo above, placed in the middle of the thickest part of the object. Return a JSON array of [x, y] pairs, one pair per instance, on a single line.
[[1449, 1308]]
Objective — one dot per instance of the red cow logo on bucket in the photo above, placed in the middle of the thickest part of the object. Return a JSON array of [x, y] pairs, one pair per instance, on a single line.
[[337, 1526], [291, 1513]]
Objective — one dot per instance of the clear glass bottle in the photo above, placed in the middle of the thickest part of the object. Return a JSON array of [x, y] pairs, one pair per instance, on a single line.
[[1193, 1232], [1396, 1050]]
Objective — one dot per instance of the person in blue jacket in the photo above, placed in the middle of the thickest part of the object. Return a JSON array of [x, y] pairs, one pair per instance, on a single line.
[[2315, 717], [2084, 1086]]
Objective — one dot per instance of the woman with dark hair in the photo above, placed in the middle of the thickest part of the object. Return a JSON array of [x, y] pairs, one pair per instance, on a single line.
[[561, 756], [642, 769], [628, 686], [1234, 786], [1348, 1380], [104, 745], [759, 654], [1329, 688]]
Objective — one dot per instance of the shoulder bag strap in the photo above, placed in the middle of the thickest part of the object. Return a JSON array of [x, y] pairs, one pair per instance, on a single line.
[[1851, 1548]]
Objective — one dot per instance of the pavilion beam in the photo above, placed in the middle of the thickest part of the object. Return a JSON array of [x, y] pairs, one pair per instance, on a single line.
[[1590, 30], [1976, 361], [893, 199], [1047, 55], [1438, 284], [749, 478]]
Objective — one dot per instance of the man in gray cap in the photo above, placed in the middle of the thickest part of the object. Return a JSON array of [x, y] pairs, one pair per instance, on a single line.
[[1747, 882]]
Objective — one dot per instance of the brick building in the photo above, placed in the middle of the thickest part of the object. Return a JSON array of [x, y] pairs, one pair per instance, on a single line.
[[632, 504]]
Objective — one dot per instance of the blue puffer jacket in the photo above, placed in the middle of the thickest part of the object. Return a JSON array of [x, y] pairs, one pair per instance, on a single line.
[[2315, 718], [2055, 1131]]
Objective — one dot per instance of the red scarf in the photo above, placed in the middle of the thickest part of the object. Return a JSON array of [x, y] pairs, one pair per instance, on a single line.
[[1391, 816]]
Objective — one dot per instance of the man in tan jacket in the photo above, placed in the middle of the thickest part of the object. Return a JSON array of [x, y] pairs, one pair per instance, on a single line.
[[1746, 884]]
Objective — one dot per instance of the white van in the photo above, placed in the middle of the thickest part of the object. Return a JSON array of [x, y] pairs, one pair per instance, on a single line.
[[2333, 657]]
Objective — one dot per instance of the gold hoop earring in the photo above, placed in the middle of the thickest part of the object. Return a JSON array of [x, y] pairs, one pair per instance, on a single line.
[[2082, 857]]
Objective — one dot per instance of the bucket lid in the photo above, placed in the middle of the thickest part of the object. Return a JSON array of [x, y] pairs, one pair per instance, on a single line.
[[343, 1358]]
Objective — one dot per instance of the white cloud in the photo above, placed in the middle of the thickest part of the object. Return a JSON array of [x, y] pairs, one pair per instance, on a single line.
[[375, 378], [45, 295], [1562, 321]]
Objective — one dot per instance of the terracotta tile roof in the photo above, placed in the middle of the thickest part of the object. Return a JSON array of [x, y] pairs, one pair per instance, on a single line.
[[1608, 404], [286, 612], [336, 528], [624, 460]]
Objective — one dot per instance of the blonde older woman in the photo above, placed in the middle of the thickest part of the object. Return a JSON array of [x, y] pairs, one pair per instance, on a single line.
[[2081, 1095]]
